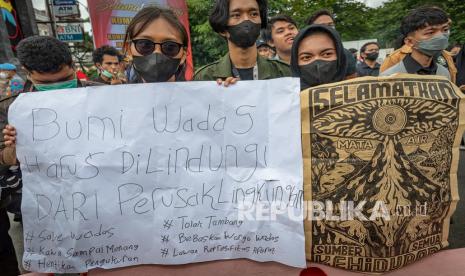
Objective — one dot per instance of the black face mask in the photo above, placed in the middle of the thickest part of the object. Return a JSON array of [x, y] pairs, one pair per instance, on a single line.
[[156, 67], [317, 72], [372, 56], [244, 34]]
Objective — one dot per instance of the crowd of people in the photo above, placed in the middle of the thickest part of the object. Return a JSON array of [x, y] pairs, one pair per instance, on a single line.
[[259, 48]]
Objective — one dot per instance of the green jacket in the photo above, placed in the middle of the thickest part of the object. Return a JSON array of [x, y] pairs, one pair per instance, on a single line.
[[221, 69]]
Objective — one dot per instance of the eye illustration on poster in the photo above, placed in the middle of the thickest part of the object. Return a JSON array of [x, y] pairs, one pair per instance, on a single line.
[[10, 18], [386, 146]]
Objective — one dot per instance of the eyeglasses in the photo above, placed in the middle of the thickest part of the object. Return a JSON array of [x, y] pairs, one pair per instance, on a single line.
[[146, 47]]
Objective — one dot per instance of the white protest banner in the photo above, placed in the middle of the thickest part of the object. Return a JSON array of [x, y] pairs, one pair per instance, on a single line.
[[161, 174]]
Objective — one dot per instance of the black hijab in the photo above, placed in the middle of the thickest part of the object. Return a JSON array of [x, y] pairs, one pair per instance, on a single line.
[[334, 35]]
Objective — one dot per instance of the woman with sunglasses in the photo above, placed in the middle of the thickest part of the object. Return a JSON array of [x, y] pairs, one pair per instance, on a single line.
[[157, 42]]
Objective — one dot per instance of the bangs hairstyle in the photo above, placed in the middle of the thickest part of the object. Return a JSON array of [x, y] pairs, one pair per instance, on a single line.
[[219, 15], [423, 17], [146, 16]]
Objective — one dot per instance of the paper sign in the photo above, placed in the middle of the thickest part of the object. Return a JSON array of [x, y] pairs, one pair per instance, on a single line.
[[381, 158], [161, 174]]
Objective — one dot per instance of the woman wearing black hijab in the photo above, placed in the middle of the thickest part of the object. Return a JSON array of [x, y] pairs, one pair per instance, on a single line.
[[318, 57]]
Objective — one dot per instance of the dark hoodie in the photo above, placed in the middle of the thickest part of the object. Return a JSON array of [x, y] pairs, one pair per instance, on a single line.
[[460, 61], [341, 57]]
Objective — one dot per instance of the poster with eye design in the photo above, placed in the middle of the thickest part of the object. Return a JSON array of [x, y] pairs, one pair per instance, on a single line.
[[380, 170]]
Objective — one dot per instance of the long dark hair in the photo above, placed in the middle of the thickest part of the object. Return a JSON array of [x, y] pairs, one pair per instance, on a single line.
[[146, 16], [219, 15]]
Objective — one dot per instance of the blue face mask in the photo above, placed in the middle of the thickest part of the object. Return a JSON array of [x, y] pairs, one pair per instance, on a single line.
[[57, 85]]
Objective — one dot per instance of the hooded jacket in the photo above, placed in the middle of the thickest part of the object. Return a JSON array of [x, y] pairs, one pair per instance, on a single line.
[[341, 57]]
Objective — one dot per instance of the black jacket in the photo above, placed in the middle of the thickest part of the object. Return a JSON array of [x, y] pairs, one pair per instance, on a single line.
[[10, 180], [460, 61]]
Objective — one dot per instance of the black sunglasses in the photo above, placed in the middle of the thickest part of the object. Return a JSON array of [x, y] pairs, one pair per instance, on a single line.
[[146, 47]]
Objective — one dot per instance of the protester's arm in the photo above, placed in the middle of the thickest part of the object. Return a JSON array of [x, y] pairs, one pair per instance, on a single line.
[[8, 153], [8, 156], [8, 144]]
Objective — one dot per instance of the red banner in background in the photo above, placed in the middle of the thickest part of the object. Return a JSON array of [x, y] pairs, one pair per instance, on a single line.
[[110, 19]]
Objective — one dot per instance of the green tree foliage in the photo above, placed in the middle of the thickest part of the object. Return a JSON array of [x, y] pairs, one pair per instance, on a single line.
[[354, 20], [207, 46], [388, 17]]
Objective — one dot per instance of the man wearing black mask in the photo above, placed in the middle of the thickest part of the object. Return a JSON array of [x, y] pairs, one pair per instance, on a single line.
[[239, 22], [369, 67]]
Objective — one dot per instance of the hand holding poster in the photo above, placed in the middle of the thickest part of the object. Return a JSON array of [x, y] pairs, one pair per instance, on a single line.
[[160, 174], [380, 169]]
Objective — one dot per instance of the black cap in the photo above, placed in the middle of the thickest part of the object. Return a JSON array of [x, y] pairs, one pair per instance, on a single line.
[[260, 42]]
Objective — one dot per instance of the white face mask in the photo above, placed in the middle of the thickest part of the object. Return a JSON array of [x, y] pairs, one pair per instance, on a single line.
[[3, 75]]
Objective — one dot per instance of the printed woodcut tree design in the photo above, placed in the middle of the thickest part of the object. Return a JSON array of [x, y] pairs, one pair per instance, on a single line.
[[391, 175]]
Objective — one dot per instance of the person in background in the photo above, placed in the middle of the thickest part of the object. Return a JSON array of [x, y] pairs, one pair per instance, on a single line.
[[318, 56], [322, 17], [454, 49], [156, 43], [326, 18], [107, 59], [354, 52], [10, 82], [239, 22], [264, 50], [9, 184], [125, 66], [369, 65], [282, 30], [460, 60], [266, 35], [426, 22], [426, 31]]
